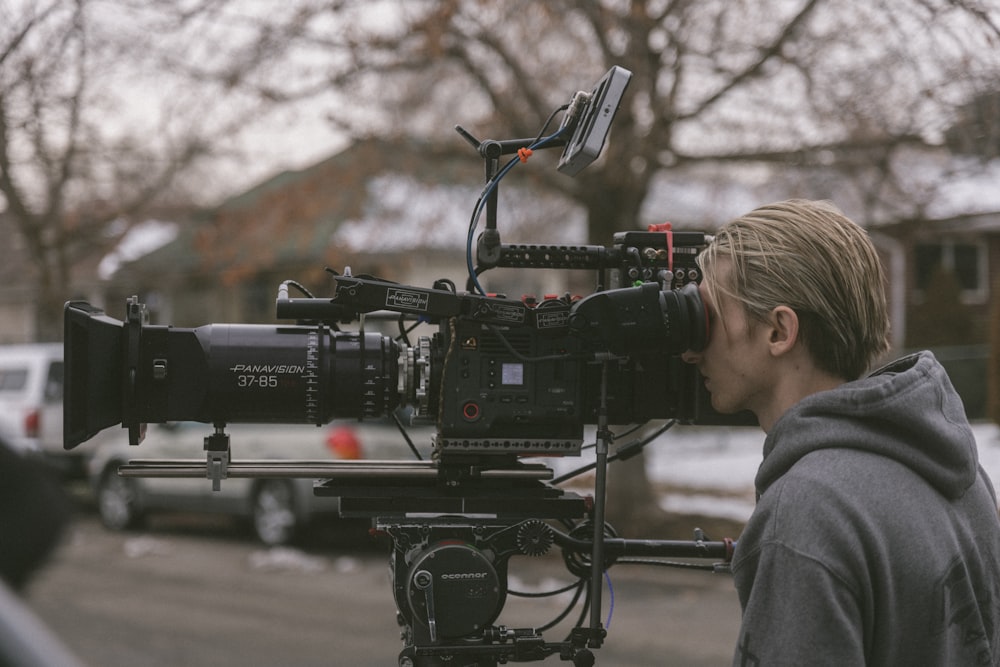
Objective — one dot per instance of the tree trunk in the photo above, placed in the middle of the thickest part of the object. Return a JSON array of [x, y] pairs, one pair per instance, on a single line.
[[632, 505]]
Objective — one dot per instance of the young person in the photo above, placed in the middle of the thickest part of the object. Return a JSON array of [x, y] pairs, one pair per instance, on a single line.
[[876, 537]]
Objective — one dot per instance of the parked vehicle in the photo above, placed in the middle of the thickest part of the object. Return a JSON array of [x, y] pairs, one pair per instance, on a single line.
[[278, 509], [31, 407]]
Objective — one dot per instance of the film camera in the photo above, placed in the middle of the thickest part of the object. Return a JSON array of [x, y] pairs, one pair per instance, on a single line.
[[502, 379]]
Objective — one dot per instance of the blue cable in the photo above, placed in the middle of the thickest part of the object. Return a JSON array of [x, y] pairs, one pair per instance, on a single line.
[[481, 202], [611, 600]]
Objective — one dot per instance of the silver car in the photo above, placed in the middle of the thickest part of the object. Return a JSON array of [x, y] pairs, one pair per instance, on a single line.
[[278, 509], [31, 391]]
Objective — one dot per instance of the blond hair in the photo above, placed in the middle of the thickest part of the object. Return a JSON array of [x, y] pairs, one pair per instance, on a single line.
[[809, 256]]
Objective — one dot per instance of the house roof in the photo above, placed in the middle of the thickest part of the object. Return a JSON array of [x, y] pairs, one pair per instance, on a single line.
[[924, 184], [291, 217], [375, 197], [381, 196], [970, 224]]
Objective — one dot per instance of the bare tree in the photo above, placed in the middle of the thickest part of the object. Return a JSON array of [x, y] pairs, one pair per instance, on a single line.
[[810, 82], [843, 84], [846, 85], [718, 82], [103, 116]]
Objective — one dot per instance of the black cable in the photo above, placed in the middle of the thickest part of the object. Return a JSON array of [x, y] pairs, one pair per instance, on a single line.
[[299, 286], [585, 611], [403, 331], [617, 436], [533, 360], [406, 436], [580, 585], [624, 452], [567, 587], [538, 142]]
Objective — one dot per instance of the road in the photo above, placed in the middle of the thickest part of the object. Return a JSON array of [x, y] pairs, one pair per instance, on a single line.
[[200, 592]]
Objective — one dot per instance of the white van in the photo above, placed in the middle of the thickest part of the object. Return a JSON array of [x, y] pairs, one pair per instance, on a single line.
[[31, 403]]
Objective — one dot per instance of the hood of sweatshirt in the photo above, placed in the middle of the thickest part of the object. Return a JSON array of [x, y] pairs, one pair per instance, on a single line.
[[907, 411]]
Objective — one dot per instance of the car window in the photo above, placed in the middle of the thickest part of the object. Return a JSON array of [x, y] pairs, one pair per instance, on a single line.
[[13, 379], [54, 382]]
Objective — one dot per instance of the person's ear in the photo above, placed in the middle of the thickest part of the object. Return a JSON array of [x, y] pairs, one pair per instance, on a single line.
[[783, 330]]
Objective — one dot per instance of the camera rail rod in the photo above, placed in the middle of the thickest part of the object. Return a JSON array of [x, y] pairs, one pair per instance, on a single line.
[[637, 252], [364, 295], [625, 251], [338, 470], [352, 471], [604, 439]]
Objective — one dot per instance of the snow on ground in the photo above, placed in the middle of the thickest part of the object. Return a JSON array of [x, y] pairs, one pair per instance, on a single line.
[[988, 440], [710, 470]]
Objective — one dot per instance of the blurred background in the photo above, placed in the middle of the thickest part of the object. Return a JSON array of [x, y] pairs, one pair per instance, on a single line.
[[197, 153]]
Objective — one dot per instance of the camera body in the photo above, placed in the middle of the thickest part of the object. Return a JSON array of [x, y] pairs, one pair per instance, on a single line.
[[528, 388]]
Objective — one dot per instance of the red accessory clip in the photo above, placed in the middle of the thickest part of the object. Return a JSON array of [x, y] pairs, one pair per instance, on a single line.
[[667, 229]]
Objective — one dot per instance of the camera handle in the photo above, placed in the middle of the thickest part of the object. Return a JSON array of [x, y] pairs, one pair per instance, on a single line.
[[488, 246], [218, 456]]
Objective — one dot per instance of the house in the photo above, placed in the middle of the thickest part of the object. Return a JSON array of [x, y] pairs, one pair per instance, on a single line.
[[368, 208], [945, 286]]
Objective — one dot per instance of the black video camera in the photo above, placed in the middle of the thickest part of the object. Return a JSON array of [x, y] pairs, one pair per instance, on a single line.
[[500, 376], [502, 379]]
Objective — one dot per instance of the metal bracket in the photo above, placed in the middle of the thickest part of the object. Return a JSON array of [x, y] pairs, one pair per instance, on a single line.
[[218, 456]]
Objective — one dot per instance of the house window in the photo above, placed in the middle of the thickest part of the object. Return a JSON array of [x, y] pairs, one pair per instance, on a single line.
[[966, 260]]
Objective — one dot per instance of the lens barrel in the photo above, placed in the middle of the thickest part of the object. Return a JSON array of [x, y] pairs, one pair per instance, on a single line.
[[220, 373], [258, 373]]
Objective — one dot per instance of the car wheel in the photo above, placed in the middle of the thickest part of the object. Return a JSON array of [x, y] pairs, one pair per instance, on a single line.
[[118, 502], [274, 520]]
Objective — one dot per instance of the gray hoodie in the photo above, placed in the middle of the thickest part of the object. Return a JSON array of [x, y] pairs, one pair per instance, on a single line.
[[876, 538]]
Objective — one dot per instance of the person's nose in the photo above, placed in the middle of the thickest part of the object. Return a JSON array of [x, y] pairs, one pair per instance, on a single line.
[[691, 357]]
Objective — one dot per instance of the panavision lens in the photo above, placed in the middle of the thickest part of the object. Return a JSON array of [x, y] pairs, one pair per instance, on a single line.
[[223, 373]]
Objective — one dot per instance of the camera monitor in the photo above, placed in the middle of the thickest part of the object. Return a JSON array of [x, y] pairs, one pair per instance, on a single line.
[[595, 122]]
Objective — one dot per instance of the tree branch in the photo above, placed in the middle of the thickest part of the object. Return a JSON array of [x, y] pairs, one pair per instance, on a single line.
[[754, 69]]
